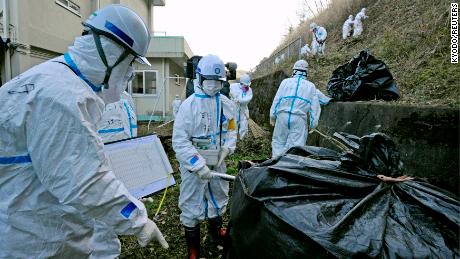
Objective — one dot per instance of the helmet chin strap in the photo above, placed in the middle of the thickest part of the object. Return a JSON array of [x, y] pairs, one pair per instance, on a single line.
[[109, 69]]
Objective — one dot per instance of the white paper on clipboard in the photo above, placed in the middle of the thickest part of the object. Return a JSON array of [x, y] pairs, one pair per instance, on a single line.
[[141, 164]]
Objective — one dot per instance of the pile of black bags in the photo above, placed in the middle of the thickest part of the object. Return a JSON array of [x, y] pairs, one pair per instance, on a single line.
[[316, 203], [363, 78]]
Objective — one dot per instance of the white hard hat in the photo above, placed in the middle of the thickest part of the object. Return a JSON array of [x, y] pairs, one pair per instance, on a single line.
[[245, 80], [350, 17], [363, 10], [124, 26], [313, 25], [300, 65], [211, 67], [177, 96]]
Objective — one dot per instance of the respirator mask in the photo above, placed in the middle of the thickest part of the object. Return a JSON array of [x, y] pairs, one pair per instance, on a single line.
[[211, 87]]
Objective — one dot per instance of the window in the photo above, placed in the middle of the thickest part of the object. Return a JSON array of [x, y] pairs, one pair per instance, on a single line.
[[69, 5], [150, 84], [137, 85], [144, 82]]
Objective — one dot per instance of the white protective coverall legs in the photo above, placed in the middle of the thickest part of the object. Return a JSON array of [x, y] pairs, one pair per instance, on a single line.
[[59, 196], [200, 199], [198, 117], [347, 26], [290, 131], [119, 120]]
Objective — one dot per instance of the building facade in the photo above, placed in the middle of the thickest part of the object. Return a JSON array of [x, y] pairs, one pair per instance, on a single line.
[[41, 30], [154, 88]]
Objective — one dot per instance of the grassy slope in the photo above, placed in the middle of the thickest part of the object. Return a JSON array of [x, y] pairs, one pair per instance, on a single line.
[[411, 36]]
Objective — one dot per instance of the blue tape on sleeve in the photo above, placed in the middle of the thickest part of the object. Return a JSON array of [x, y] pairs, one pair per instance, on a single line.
[[103, 131], [15, 160], [128, 209], [194, 159]]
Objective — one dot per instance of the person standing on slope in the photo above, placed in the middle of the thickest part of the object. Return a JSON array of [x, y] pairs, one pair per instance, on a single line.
[[295, 110]]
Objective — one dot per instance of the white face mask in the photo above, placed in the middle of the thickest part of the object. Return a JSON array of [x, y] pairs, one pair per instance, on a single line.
[[212, 87], [118, 82], [130, 74]]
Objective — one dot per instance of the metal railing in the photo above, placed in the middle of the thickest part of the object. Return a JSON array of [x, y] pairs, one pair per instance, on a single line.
[[291, 50]]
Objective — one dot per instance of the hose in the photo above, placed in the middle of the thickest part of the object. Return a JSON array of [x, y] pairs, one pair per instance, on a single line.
[[163, 198]]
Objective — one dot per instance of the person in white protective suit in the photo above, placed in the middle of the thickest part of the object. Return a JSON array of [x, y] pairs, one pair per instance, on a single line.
[[175, 105], [119, 120], [347, 27], [295, 110], [59, 196], [358, 24], [319, 35], [241, 94], [305, 50], [204, 134]]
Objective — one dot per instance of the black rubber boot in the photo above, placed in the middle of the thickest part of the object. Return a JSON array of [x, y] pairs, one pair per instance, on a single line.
[[192, 238], [216, 231]]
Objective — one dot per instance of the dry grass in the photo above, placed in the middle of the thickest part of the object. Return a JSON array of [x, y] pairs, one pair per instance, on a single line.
[[331, 17], [411, 36]]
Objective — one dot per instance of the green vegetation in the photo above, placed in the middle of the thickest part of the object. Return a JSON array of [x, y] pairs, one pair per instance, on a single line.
[[411, 36]]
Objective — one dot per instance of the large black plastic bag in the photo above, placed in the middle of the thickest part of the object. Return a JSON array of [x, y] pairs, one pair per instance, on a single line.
[[316, 203], [363, 78]]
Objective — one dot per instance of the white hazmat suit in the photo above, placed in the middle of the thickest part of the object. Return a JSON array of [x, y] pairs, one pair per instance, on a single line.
[[59, 196], [347, 27], [297, 102], [175, 105], [119, 120], [198, 117], [305, 50], [358, 24], [318, 43], [241, 97]]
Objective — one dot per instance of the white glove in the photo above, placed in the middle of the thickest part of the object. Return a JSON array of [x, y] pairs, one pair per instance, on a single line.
[[204, 173], [223, 153], [151, 232], [272, 121]]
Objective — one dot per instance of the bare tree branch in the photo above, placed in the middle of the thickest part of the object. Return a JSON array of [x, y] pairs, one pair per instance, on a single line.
[[321, 4], [317, 8], [309, 8]]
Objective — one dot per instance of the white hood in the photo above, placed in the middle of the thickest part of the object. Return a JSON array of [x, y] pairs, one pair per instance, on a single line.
[[86, 57]]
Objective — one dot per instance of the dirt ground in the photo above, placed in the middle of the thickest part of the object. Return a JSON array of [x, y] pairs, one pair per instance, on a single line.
[[168, 217]]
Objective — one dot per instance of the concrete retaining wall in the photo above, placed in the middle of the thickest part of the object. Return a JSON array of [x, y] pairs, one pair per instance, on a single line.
[[427, 136]]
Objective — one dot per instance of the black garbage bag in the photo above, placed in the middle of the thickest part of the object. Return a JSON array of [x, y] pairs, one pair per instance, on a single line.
[[363, 78], [316, 203]]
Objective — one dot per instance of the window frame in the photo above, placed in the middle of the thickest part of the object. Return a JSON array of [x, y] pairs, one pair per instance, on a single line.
[[143, 84], [68, 8]]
